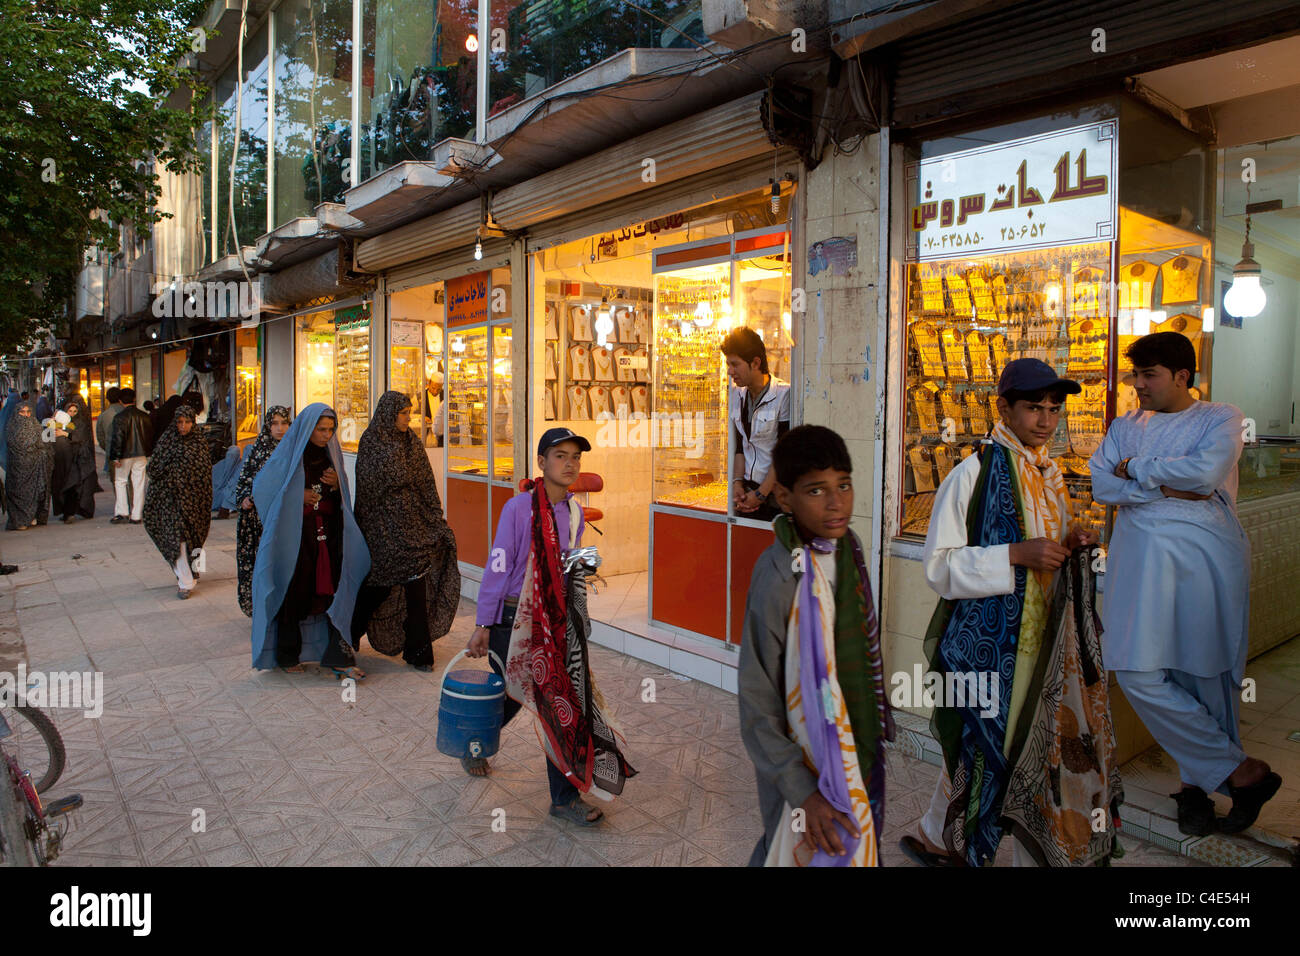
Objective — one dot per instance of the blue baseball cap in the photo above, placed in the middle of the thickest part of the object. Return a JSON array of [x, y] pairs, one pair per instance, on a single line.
[[553, 436], [1033, 375]]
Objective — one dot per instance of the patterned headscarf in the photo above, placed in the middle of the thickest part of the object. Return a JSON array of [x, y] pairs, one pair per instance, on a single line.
[[260, 452]]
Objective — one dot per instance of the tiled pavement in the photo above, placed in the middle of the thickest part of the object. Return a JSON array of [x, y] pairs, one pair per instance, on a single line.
[[285, 771]]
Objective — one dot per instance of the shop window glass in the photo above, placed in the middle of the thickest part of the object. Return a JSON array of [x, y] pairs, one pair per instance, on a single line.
[[419, 80], [313, 89], [546, 42], [314, 359], [503, 454], [1257, 358], [250, 170], [203, 147], [693, 314], [467, 404], [352, 373], [248, 385]]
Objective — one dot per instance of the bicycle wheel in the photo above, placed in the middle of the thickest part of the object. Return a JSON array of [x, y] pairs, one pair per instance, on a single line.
[[37, 746]]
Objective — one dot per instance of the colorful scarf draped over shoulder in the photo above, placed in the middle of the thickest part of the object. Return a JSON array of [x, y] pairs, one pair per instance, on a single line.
[[547, 669], [836, 705], [977, 636]]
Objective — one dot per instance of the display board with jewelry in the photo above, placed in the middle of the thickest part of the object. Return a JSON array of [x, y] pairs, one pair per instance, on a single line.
[[966, 319], [693, 314], [596, 336], [1165, 284]]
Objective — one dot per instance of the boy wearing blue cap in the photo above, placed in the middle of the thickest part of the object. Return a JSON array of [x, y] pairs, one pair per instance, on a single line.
[[1037, 752], [526, 617]]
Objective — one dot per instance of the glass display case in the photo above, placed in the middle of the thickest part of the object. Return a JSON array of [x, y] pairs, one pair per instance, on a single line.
[[692, 316], [966, 318], [467, 401], [406, 367], [248, 386], [503, 421], [352, 373]]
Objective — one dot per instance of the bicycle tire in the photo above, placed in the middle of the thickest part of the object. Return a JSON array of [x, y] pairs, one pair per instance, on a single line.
[[53, 743]]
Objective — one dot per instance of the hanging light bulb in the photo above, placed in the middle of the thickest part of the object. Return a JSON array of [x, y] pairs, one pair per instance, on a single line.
[[776, 197], [471, 43], [604, 323], [1245, 298], [478, 249]]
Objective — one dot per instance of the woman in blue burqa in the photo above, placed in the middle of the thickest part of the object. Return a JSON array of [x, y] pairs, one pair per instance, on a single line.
[[312, 558]]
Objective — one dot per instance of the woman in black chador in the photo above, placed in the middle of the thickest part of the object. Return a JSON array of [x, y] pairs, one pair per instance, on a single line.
[[27, 488], [74, 482]]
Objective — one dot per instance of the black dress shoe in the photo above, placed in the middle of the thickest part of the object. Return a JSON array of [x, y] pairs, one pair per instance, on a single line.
[[1195, 812], [119, 519], [1247, 801]]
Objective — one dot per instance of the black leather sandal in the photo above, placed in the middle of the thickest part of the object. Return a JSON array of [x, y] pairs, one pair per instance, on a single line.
[[1247, 801]]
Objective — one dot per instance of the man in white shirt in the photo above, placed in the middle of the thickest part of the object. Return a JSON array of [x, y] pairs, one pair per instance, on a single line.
[[760, 414]]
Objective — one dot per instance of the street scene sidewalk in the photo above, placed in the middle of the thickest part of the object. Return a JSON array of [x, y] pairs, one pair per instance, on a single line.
[[198, 760]]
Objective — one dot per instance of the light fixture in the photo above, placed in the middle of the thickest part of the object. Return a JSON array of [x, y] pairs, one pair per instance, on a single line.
[[1207, 319], [153, 335], [1245, 298], [703, 314], [776, 197], [604, 323], [471, 43], [478, 249]]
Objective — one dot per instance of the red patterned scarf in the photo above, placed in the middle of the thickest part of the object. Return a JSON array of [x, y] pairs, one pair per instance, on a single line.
[[547, 670]]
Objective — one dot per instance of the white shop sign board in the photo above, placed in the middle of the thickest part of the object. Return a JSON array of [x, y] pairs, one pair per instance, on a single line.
[[1052, 189]]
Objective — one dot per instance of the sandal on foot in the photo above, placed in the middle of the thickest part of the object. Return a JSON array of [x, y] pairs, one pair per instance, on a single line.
[[470, 764], [293, 669], [576, 812], [1247, 801], [916, 851], [356, 673]]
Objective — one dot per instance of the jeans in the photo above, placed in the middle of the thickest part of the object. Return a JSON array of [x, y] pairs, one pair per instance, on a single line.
[[562, 791]]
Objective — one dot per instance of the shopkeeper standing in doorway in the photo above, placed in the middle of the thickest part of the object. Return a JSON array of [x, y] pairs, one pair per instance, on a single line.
[[760, 414]]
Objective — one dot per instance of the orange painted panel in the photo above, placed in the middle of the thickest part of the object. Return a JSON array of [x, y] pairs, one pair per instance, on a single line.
[[467, 513], [500, 496], [746, 545], [690, 574]]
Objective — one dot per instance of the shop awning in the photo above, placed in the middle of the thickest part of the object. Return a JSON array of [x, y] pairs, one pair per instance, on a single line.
[[710, 139], [227, 267], [297, 240], [388, 199]]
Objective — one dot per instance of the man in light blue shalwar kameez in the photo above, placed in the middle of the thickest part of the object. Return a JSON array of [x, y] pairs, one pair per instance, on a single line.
[[1175, 612]]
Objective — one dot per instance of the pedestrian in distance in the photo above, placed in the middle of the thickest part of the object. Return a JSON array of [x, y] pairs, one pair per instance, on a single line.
[[1028, 742], [30, 461], [813, 712], [532, 616], [312, 557], [1176, 614], [75, 479], [7, 411], [104, 427], [178, 497], [225, 475], [248, 526], [413, 569], [130, 443]]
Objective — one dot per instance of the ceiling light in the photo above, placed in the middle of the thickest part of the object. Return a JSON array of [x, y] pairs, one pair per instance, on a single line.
[[1245, 298]]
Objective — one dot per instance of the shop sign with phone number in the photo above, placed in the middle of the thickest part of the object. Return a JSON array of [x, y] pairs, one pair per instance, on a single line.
[[1053, 189]]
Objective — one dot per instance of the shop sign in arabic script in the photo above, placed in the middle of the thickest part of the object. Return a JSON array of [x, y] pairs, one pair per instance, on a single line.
[[1052, 189]]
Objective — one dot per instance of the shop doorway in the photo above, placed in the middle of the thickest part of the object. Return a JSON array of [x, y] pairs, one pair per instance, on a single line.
[[626, 335]]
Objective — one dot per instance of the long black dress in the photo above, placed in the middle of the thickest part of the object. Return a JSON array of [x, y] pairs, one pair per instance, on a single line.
[[248, 524], [414, 583], [75, 481]]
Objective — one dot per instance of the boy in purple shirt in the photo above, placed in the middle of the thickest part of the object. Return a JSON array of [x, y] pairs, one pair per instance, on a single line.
[[559, 456]]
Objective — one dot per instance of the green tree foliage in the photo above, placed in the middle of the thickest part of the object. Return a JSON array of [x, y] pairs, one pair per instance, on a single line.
[[81, 106]]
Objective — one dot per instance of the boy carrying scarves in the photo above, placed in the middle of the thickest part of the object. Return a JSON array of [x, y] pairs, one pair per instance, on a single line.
[[813, 709]]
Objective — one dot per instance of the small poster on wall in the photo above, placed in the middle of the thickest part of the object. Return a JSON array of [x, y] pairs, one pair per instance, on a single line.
[[1226, 319]]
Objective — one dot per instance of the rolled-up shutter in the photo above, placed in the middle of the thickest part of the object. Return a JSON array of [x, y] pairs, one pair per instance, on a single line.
[[709, 140], [1043, 48]]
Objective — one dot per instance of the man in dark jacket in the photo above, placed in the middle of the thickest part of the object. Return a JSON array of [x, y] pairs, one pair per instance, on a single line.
[[129, 450]]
